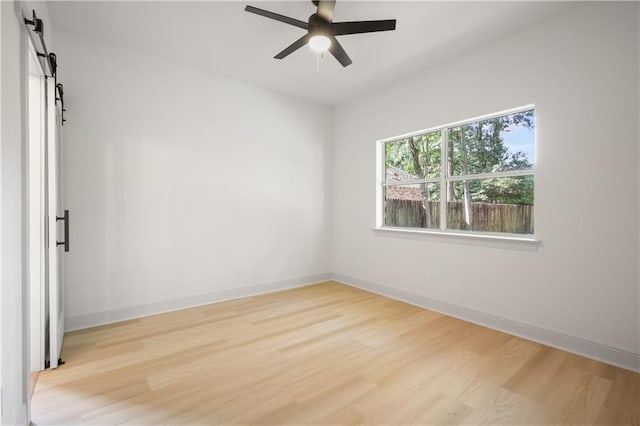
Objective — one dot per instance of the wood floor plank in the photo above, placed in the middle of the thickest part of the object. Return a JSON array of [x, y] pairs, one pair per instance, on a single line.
[[324, 354]]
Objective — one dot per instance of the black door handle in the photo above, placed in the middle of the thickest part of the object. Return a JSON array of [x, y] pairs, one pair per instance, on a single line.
[[65, 243]]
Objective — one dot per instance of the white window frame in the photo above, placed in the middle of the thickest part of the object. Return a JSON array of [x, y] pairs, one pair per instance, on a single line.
[[444, 180]]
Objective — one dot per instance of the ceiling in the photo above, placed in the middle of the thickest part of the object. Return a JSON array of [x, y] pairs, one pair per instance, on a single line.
[[220, 37]]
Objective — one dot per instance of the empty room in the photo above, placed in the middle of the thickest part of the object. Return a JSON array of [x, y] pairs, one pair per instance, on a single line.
[[320, 212]]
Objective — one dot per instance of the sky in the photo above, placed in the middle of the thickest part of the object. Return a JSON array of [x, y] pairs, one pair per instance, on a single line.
[[522, 139]]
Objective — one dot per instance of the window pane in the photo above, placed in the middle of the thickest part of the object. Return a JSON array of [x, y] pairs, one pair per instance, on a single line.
[[494, 145], [404, 205], [491, 205], [417, 157]]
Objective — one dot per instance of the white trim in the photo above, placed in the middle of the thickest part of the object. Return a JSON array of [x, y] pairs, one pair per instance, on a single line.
[[610, 355], [33, 51], [458, 178], [56, 311], [507, 238], [480, 176], [445, 180], [23, 418], [380, 179], [444, 185], [131, 312], [35, 192], [1, 240], [411, 182], [460, 123]]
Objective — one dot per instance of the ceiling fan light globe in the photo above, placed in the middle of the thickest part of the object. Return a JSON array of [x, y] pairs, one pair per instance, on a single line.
[[319, 43]]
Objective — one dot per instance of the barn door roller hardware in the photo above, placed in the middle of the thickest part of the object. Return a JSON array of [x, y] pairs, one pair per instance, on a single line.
[[38, 28], [47, 363], [50, 58], [60, 97]]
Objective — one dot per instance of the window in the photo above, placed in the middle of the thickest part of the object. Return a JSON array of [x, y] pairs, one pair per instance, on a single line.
[[475, 176]]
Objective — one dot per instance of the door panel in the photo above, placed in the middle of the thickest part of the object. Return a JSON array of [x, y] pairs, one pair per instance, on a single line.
[[57, 222], [36, 210]]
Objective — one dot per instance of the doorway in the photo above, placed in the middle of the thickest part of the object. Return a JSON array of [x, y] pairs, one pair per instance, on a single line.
[[47, 226]]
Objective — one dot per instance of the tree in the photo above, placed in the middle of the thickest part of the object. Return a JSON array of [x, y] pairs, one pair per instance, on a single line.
[[479, 148], [474, 148], [420, 157]]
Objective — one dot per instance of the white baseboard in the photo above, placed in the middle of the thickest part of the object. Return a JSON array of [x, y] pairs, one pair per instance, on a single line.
[[597, 351], [23, 418], [132, 312], [20, 418]]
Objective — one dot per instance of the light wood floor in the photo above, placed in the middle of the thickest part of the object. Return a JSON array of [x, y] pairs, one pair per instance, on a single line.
[[324, 354]]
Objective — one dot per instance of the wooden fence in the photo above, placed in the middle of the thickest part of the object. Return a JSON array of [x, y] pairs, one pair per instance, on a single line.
[[485, 217]]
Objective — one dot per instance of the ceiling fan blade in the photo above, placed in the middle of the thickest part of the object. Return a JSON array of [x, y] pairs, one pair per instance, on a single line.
[[339, 53], [358, 27], [325, 9], [293, 47], [287, 20]]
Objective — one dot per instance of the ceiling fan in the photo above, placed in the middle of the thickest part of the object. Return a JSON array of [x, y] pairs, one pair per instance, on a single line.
[[322, 31]]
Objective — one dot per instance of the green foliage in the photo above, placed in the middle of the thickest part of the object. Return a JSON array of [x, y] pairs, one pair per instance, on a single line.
[[506, 190], [484, 145], [419, 156], [474, 148]]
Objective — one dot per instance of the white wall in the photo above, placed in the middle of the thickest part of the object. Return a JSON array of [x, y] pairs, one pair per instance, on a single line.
[[581, 71], [13, 324], [183, 184], [1, 203]]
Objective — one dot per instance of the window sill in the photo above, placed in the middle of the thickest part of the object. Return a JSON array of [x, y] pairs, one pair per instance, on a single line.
[[509, 238]]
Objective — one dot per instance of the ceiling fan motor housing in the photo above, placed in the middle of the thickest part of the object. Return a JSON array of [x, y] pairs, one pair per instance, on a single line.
[[319, 26]]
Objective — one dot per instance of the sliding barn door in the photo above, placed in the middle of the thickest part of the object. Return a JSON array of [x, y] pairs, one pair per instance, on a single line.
[[58, 226], [36, 213]]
